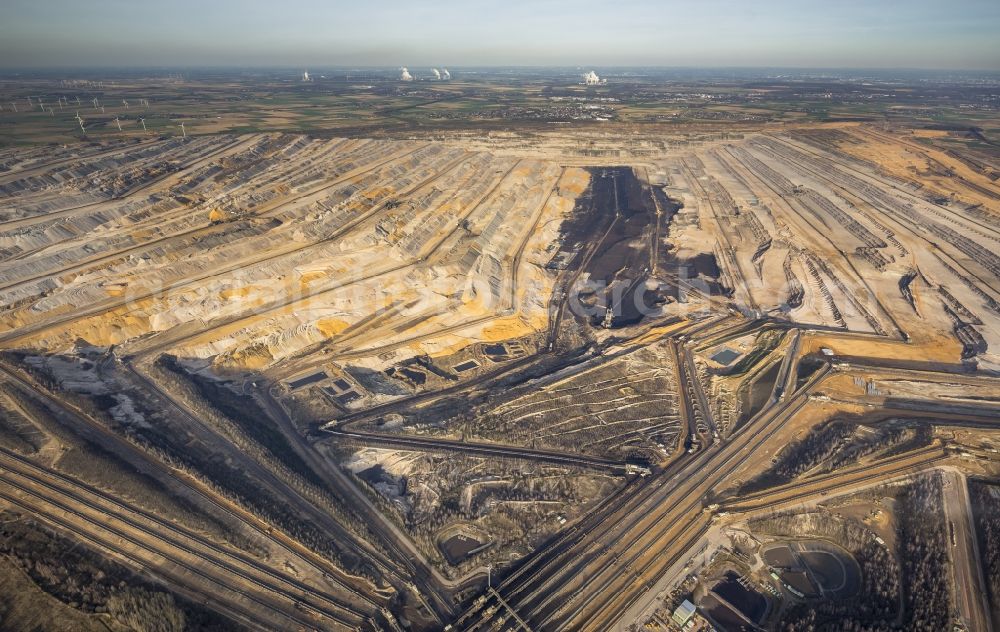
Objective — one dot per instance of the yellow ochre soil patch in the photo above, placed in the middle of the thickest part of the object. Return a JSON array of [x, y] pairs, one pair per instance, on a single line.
[[505, 329], [235, 292], [929, 349], [331, 326]]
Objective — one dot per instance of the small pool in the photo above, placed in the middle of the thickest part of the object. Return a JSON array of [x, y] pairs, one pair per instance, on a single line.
[[460, 546], [725, 357]]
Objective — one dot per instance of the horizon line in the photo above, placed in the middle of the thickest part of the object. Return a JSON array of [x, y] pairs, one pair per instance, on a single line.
[[394, 67]]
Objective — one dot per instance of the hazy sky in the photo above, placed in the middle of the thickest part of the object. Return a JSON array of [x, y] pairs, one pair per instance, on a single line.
[[316, 33]]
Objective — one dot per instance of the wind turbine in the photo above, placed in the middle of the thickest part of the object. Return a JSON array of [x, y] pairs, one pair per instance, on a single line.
[[102, 109], [15, 105], [183, 133], [78, 100], [95, 102], [80, 121], [118, 123], [126, 103], [41, 106], [143, 121]]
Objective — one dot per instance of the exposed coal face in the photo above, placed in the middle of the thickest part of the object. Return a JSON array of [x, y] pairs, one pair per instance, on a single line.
[[618, 242]]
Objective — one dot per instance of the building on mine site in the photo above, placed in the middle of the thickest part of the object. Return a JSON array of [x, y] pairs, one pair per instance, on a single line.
[[683, 613]]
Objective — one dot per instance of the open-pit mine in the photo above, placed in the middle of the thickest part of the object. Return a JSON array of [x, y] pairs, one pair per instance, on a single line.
[[717, 364]]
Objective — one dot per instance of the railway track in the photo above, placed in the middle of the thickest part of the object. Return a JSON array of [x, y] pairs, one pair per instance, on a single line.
[[751, 303], [486, 449], [925, 463], [97, 433], [654, 242], [861, 191], [545, 565], [113, 539], [605, 615], [165, 341], [684, 409], [642, 498], [564, 285], [700, 400], [235, 611], [515, 265], [700, 473], [649, 554], [563, 554], [172, 215], [34, 170], [785, 379], [423, 578], [355, 331], [127, 521], [646, 520], [859, 308], [800, 490], [40, 219], [892, 140], [150, 222], [350, 353], [268, 479], [562, 549], [27, 331]]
